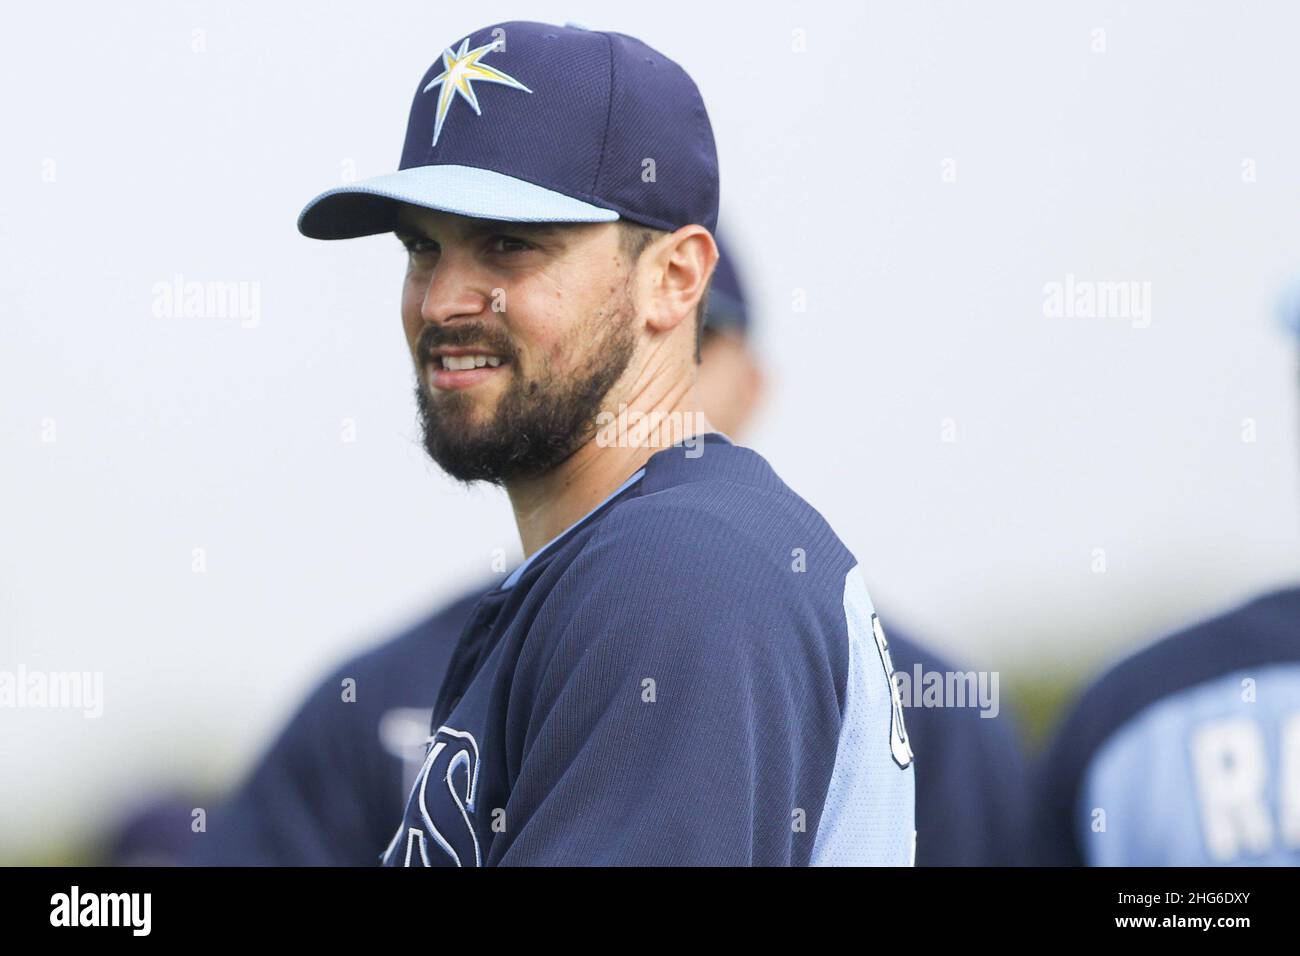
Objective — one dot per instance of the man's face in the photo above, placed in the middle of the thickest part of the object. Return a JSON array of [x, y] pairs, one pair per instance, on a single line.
[[518, 333]]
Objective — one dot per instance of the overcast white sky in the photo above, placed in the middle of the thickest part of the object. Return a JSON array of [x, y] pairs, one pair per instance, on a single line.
[[921, 172]]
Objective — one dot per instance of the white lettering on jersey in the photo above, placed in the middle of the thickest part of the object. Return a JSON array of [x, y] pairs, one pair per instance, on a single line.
[[1231, 772]]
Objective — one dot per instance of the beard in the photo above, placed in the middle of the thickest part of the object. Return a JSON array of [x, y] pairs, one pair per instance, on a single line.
[[540, 420]]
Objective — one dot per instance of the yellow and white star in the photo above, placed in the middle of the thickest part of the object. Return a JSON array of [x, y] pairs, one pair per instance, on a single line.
[[460, 70]]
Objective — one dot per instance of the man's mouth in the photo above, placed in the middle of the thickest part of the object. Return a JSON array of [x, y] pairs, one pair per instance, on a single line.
[[454, 363], [456, 368]]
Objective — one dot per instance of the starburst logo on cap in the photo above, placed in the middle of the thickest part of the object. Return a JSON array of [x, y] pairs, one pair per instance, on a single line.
[[460, 71]]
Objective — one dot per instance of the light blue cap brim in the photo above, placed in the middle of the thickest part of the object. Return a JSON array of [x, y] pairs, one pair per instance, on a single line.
[[369, 207]]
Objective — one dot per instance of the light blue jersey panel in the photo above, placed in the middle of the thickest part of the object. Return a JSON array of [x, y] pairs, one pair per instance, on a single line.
[[1207, 776], [870, 810]]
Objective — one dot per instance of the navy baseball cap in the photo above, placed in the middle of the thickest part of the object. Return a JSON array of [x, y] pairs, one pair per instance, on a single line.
[[727, 309], [528, 122]]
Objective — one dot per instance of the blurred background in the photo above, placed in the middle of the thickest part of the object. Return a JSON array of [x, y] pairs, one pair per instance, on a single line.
[[212, 510]]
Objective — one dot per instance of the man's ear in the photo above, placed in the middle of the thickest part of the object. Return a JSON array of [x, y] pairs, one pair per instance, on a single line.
[[675, 271]]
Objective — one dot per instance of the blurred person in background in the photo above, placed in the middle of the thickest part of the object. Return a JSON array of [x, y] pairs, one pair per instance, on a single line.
[[329, 789], [1186, 753]]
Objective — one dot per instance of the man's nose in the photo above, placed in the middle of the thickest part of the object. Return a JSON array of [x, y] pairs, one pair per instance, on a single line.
[[455, 290]]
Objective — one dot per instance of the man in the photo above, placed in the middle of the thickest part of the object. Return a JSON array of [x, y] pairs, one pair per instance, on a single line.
[[1186, 753], [332, 784], [687, 668], [327, 791]]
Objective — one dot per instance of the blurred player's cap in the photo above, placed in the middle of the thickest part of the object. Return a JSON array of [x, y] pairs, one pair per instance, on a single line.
[[1288, 308], [527, 122], [727, 309]]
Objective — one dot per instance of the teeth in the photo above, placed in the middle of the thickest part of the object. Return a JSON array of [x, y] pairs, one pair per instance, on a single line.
[[457, 363]]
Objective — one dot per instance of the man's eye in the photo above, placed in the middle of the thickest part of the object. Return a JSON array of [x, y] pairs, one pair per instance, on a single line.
[[419, 247], [509, 244]]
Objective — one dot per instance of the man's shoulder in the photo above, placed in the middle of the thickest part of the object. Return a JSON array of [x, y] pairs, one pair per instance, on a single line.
[[718, 565], [728, 507], [1190, 685], [716, 543], [1255, 634]]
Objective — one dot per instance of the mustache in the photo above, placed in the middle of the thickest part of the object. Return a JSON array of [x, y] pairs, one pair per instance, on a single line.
[[463, 334]]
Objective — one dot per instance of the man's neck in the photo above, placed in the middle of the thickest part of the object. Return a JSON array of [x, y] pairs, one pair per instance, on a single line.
[[548, 504]]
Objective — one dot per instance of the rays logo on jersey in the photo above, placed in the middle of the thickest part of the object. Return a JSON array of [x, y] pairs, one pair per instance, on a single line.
[[438, 827]]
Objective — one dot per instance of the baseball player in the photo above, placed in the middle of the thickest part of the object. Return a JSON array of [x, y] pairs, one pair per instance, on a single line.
[[687, 667], [1186, 753], [328, 789]]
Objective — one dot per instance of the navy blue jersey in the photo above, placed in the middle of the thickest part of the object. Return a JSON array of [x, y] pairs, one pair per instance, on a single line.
[[1186, 753], [329, 789], [691, 674]]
